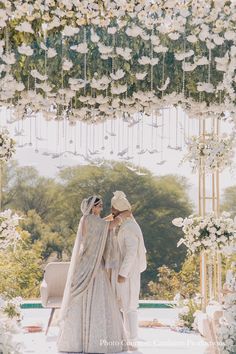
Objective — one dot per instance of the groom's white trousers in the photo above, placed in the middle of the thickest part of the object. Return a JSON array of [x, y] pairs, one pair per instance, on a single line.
[[128, 298]]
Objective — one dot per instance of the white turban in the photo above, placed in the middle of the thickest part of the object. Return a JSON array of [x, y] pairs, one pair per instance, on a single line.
[[120, 202]]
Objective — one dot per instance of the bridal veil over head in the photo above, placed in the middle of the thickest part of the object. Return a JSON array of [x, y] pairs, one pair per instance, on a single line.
[[86, 255]]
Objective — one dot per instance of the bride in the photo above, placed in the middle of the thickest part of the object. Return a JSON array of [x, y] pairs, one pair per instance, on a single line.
[[90, 320]]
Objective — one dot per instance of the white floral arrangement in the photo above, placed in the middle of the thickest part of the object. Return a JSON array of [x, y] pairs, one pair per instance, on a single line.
[[188, 311], [7, 146], [9, 234], [9, 326], [215, 152], [227, 323], [208, 233]]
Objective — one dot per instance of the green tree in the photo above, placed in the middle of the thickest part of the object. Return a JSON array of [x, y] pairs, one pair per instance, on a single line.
[[168, 282], [41, 235], [229, 200], [21, 269]]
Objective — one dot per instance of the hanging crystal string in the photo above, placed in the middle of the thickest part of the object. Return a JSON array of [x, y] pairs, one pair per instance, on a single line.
[[163, 73], [81, 125], [183, 79], [169, 127], [103, 135], [75, 137], [162, 135], [151, 69], [85, 62], [156, 133]]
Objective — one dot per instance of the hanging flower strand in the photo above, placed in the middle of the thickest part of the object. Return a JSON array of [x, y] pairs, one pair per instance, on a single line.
[[7, 146]]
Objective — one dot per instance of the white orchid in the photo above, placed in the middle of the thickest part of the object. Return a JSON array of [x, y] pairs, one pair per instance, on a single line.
[[111, 30], [184, 55], [165, 85], [25, 50], [174, 36], [67, 65], [188, 66], [160, 49], [25, 27], [9, 58], [80, 48], [100, 84], [94, 37], [205, 86], [192, 38], [117, 90], [141, 76], [70, 31], [134, 31], [103, 49], [201, 61], [118, 74], [44, 86], [148, 61], [37, 75], [51, 52], [124, 52]]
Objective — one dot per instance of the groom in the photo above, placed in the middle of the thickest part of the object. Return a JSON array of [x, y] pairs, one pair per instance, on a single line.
[[125, 278]]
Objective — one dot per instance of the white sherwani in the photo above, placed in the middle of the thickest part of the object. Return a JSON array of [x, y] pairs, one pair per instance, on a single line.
[[131, 262]]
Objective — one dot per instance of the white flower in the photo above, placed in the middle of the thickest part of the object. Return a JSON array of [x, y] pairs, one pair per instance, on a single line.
[[26, 50], [205, 86], [188, 66], [94, 37], [141, 76], [202, 61], [117, 90], [184, 55], [160, 49], [51, 52], [178, 222], [165, 85], [103, 49], [192, 38], [134, 31], [25, 27], [67, 65], [70, 31], [146, 60], [80, 48], [37, 75], [118, 74], [124, 52]]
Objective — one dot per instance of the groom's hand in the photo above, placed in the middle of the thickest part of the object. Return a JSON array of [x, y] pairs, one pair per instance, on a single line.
[[121, 279]]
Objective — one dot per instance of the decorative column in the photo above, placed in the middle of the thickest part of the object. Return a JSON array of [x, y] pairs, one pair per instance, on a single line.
[[209, 201]]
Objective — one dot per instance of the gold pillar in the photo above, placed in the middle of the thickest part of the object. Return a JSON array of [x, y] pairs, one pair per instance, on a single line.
[[209, 201]]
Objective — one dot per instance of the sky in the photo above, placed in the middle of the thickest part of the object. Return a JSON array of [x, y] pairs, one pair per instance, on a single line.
[[157, 143]]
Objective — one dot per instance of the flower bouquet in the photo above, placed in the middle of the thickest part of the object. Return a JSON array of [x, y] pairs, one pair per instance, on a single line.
[[9, 326], [8, 229], [216, 151], [227, 323], [208, 233]]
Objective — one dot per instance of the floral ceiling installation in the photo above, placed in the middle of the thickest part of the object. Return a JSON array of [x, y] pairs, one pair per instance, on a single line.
[[96, 60]]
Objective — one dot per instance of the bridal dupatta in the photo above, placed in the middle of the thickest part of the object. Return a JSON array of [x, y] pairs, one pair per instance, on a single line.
[[86, 258]]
